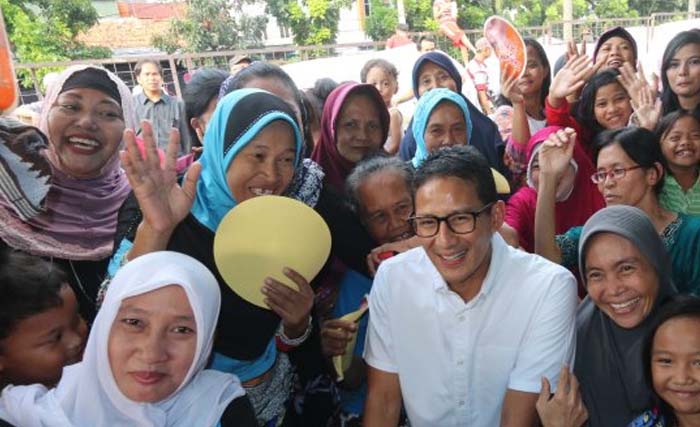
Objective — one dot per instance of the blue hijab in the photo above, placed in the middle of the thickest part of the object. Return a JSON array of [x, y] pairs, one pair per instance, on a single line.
[[485, 136], [237, 120], [425, 108]]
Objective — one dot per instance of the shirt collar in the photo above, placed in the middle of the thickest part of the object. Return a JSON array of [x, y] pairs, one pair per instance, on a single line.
[[143, 99], [498, 248], [670, 180]]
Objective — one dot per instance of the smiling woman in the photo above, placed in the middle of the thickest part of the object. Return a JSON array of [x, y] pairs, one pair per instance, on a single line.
[[84, 116], [629, 171], [145, 359], [355, 124], [252, 146], [626, 271]]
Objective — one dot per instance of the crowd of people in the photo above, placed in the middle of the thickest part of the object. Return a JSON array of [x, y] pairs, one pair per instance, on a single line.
[[530, 260]]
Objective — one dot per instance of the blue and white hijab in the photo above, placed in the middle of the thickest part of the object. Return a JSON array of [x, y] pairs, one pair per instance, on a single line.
[[239, 117], [424, 109]]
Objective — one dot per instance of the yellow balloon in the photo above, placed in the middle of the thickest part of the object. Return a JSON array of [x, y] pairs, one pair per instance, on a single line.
[[263, 235]]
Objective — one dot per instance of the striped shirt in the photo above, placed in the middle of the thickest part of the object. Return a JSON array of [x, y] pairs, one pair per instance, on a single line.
[[675, 199]]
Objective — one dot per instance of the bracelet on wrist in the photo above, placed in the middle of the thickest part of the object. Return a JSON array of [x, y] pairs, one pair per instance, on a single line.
[[294, 342]]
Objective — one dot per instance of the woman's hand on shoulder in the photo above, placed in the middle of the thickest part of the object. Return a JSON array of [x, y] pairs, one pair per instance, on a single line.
[[387, 250]]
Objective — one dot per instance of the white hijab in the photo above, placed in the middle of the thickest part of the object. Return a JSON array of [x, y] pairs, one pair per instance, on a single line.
[[88, 395]]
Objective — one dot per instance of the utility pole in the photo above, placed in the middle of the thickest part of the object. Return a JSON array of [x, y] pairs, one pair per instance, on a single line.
[[401, 11], [691, 9], [568, 15]]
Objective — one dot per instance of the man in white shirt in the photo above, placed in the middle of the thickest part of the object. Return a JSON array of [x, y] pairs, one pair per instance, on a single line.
[[463, 328]]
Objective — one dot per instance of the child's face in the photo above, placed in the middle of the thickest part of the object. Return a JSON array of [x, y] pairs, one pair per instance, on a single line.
[[681, 144], [675, 364], [612, 108], [42, 344], [384, 82]]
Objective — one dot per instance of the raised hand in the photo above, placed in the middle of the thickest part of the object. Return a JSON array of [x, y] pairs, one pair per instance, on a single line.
[[571, 78], [163, 202], [565, 408], [573, 51], [510, 89], [648, 109], [556, 153], [633, 81], [292, 305]]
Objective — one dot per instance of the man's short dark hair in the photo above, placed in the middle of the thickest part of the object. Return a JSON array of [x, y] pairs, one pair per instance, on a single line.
[[426, 37], [29, 285], [141, 63], [463, 162]]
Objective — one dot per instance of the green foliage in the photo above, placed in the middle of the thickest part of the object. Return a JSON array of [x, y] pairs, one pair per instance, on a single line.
[[554, 10], [472, 16], [614, 9], [313, 22], [46, 31], [213, 25], [647, 7], [419, 15], [382, 20]]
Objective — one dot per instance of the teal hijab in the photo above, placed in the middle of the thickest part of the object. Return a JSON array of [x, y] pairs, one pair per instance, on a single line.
[[424, 109], [239, 117]]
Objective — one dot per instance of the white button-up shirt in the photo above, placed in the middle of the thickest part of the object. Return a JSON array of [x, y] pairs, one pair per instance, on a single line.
[[455, 360]]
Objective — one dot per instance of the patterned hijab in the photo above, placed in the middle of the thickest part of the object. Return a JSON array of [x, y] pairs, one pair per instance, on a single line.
[[78, 218]]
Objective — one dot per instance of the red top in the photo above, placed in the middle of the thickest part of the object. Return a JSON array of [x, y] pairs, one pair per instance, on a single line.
[[562, 117], [397, 41]]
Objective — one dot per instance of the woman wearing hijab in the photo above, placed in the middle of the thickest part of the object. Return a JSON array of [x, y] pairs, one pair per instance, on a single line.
[[577, 198], [436, 70], [629, 172], [354, 124], [144, 362], [73, 179], [252, 147], [442, 119], [616, 47], [626, 271]]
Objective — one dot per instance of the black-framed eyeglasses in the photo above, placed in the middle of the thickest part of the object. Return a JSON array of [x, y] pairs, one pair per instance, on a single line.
[[458, 223], [616, 173]]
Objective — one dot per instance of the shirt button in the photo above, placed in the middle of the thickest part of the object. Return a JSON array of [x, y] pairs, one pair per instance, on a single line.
[[461, 318], [461, 403]]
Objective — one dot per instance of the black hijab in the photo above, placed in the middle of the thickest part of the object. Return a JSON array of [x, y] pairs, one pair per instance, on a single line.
[[609, 358]]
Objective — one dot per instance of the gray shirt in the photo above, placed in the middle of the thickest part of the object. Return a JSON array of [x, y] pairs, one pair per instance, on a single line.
[[167, 113]]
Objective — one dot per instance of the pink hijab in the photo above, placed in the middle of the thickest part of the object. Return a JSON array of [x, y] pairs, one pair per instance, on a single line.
[[336, 167], [584, 200], [80, 215]]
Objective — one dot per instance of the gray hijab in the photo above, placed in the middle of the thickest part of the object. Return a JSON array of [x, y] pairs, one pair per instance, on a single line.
[[609, 362]]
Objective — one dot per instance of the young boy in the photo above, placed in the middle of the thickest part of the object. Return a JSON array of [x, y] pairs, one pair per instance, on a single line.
[[383, 75], [41, 330]]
